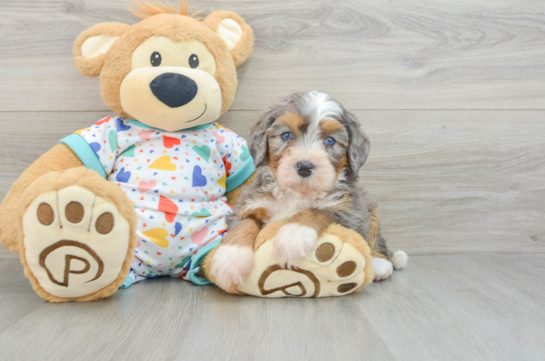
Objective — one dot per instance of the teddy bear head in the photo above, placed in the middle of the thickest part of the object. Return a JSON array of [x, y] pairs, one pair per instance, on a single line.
[[169, 71]]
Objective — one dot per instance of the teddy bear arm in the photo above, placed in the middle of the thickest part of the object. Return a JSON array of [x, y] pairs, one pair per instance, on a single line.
[[58, 158], [232, 198]]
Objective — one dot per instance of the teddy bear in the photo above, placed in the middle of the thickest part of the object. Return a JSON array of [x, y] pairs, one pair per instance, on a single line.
[[145, 193]]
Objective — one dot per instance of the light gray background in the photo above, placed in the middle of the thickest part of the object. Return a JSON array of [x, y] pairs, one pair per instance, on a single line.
[[452, 96]]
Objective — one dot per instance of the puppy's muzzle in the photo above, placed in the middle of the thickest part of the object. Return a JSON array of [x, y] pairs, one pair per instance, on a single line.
[[174, 89], [304, 168]]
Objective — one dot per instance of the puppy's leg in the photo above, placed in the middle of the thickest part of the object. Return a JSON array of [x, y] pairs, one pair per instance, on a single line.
[[234, 259], [384, 262], [296, 240]]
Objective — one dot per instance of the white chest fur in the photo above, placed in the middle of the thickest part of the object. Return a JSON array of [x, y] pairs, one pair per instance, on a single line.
[[286, 203]]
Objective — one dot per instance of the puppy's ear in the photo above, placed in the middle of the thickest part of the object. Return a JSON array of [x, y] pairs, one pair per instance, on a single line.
[[257, 141], [237, 35], [91, 46], [359, 145]]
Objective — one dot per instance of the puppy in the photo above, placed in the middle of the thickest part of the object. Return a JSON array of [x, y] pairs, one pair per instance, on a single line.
[[308, 150]]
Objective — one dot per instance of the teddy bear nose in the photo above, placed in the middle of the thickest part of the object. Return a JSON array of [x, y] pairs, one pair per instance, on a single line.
[[174, 89]]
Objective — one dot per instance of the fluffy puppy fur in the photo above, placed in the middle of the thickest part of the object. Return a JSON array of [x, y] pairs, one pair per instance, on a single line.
[[308, 150]]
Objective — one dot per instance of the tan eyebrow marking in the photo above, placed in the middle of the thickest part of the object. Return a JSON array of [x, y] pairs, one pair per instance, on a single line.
[[330, 125], [292, 120]]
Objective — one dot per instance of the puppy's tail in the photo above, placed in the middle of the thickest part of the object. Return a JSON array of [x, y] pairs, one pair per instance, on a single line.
[[400, 260]]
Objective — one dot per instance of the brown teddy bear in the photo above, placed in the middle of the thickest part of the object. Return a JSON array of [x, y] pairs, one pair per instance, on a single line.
[[145, 193]]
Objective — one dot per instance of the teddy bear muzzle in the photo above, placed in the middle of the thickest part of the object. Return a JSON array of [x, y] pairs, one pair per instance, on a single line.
[[171, 98]]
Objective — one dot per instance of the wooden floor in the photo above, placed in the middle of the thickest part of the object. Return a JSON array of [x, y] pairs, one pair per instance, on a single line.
[[451, 94], [445, 307]]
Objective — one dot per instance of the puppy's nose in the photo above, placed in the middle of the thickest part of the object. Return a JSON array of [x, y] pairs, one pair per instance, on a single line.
[[304, 169], [174, 89]]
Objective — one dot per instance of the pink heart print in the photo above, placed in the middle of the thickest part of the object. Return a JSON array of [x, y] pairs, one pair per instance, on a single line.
[[198, 236], [146, 186], [219, 138], [144, 134]]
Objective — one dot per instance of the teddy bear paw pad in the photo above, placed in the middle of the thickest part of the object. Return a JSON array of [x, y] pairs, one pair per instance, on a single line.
[[75, 242], [335, 268]]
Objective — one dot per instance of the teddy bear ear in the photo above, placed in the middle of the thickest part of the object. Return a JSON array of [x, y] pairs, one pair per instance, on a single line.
[[91, 46], [237, 35]]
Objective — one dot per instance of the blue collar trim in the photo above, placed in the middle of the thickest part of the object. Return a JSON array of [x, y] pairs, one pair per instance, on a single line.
[[142, 125]]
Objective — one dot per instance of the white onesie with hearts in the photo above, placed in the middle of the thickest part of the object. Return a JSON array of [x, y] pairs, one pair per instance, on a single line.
[[176, 181]]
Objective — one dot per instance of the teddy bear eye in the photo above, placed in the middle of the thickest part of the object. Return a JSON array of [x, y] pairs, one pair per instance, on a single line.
[[193, 61], [155, 59]]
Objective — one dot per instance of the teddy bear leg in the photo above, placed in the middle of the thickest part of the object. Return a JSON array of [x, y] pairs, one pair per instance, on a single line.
[[58, 158], [340, 264], [79, 233]]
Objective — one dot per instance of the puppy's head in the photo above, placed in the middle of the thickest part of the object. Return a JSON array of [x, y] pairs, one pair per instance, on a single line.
[[309, 140]]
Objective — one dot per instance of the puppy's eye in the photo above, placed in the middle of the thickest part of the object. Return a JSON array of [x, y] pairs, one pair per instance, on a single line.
[[329, 141], [193, 61], [155, 59], [286, 136]]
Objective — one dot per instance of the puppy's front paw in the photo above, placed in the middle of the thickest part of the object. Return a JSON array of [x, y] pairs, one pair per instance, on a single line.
[[382, 268], [231, 265], [294, 242]]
